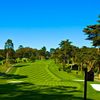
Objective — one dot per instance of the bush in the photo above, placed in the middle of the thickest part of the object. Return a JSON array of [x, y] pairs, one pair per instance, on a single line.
[[1, 62], [68, 70], [1, 58], [24, 59], [12, 61], [32, 58], [18, 60]]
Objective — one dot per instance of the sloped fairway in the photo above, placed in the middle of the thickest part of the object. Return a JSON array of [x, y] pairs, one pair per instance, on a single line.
[[39, 74], [42, 81]]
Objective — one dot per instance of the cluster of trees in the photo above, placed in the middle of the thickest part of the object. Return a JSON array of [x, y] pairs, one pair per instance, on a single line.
[[22, 54], [69, 55], [83, 57], [93, 34], [66, 54]]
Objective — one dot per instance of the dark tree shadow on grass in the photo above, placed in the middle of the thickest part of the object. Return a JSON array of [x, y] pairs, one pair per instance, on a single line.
[[20, 65], [11, 76], [28, 91]]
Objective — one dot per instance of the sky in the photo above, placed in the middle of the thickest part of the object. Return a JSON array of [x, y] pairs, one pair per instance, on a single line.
[[38, 23]]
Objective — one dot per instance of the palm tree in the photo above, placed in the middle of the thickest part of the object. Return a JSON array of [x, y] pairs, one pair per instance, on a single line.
[[66, 52]]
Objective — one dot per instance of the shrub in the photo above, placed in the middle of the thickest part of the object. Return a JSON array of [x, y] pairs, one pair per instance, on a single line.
[[32, 59], [68, 70], [12, 61]]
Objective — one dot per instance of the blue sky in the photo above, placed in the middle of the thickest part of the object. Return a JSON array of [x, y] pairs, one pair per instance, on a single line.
[[37, 23]]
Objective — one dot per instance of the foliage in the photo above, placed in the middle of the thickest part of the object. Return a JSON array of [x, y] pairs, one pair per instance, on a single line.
[[9, 44], [93, 32], [64, 53]]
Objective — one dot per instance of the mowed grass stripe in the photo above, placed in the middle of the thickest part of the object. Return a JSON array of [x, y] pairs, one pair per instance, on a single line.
[[36, 72], [64, 76], [39, 74]]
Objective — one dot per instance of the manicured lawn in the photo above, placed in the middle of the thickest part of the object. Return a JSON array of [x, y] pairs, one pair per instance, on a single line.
[[42, 81]]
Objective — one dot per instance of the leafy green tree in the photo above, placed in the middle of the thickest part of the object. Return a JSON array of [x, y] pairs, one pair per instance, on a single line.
[[55, 55], [86, 55], [93, 33], [52, 50], [42, 53], [9, 53], [2, 54], [26, 52], [20, 46], [66, 52], [9, 44], [48, 55], [9, 49]]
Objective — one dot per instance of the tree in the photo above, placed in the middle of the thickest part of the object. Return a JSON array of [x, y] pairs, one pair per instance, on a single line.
[[66, 52], [2, 54], [55, 55], [9, 49], [9, 44], [26, 52], [20, 46], [93, 33], [42, 53], [9, 52], [52, 50]]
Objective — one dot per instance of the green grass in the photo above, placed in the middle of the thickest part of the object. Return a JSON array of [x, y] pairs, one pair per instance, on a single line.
[[43, 81]]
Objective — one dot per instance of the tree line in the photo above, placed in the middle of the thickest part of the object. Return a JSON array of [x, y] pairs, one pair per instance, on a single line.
[[22, 54], [64, 56]]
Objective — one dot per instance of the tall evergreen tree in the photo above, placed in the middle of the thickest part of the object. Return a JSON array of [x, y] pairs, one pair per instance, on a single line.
[[93, 33], [9, 50], [9, 44]]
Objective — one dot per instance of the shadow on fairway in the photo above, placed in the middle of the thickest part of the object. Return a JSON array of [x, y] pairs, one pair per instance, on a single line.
[[20, 65], [28, 91], [11, 76]]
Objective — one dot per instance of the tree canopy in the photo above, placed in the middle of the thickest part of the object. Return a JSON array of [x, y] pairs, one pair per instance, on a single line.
[[93, 33]]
